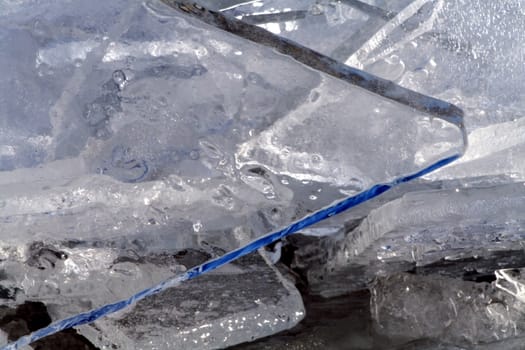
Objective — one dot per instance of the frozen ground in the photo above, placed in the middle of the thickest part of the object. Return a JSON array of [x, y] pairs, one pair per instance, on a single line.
[[137, 141]]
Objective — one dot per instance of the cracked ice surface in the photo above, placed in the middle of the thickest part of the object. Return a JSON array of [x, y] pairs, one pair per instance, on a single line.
[[465, 52], [135, 123], [127, 127]]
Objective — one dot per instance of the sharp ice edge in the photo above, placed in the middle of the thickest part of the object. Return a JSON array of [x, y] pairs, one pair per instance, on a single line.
[[426, 104], [506, 140], [336, 208], [456, 312], [427, 220], [357, 59]]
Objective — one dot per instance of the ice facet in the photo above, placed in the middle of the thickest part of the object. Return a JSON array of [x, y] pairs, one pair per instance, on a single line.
[[455, 312], [218, 310], [417, 230], [467, 52], [422, 226]]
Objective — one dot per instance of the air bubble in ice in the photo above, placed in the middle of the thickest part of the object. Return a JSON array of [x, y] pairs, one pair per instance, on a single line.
[[194, 155], [224, 197], [198, 70], [125, 167], [180, 72], [316, 159], [119, 77], [314, 96], [254, 78]]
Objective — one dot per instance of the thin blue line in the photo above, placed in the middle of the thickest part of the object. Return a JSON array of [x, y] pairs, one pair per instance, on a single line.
[[334, 209]]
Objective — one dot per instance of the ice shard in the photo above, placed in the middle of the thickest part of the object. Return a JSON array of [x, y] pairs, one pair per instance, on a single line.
[[417, 230], [456, 312], [467, 52]]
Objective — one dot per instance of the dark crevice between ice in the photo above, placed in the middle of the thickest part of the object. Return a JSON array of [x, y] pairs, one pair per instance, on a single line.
[[346, 321], [342, 316], [474, 268], [31, 316]]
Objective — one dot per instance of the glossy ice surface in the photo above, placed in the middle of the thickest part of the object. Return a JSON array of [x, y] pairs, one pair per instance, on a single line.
[[131, 131]]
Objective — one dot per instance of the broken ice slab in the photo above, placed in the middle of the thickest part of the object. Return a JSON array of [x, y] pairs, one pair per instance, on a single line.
[[478, 42], [154, 122], [426, 226], [320, 26], [453, 311], [460, 230], [215, 311], [347, 29], [242, 302], [469, 53], [334, 28]]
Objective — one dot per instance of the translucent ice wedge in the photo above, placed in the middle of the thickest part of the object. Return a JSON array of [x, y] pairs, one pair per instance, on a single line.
[[443, 228], [470, 53]]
